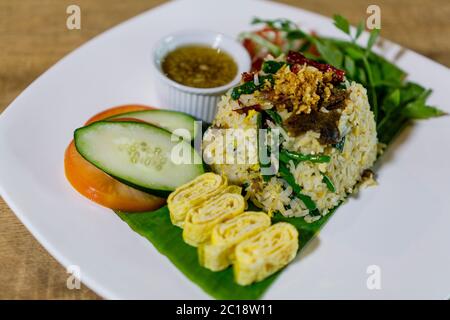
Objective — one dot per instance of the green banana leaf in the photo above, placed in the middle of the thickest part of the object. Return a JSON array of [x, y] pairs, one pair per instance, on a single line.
[[167, 239]]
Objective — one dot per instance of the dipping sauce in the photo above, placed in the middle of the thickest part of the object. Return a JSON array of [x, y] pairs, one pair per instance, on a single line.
[[199, 66]]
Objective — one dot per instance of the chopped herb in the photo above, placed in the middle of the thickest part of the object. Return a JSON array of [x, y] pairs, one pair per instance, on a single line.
[[250, 87], [328, 182], [272, 66], [289, 178], [299, 157], [274, 116]]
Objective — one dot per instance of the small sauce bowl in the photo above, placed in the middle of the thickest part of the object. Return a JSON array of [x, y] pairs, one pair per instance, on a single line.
[[199, 102]]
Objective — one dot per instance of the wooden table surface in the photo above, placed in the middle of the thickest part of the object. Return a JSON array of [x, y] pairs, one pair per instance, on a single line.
[[33, 36]]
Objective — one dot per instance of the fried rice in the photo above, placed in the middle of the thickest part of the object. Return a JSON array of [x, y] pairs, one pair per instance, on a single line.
[[350, 158]]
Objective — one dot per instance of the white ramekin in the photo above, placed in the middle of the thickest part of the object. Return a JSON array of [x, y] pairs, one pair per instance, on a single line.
[[199, 102]]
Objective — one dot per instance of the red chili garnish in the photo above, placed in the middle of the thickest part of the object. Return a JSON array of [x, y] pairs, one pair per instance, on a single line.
[[295, 68], [257, 64], [247, 76], [294, 58]]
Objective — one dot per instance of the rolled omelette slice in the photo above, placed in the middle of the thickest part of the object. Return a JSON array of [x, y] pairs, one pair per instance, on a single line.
[[192, 194], [217, 254], [202, 219], [267, 252]]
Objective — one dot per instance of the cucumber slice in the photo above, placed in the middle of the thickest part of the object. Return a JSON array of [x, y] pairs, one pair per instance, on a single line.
[[139, 154], [166, 119]]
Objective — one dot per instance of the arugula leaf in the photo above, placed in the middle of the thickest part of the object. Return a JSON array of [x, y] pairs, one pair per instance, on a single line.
[[411, 91], [392, 101], [419, 110], [341, 23], [297, 34], [330, 53], [391, 73], [349, 65], [371, 88], [381, 77], [377, 73], [354, 53]]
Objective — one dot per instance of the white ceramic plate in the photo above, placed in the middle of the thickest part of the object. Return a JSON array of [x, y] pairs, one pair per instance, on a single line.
[[402, 225]]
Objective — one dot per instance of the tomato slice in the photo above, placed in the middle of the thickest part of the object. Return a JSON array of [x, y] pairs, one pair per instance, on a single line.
[[101, 188], [117, 110]]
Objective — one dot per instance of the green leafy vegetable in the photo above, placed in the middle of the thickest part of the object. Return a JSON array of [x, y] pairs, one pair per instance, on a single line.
[[412, 91], [274, 116], [271, 66], [330, 53], [289, 178], [299, 157], [341, 23], [381, 77], [354, 53], [250, 87], [167, 239], [328, 182], [417, 109], [297, 34], [349, 65], [392, 100]]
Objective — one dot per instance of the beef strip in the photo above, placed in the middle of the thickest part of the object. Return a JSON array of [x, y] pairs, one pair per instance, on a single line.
[[336, 100], [324, 123]]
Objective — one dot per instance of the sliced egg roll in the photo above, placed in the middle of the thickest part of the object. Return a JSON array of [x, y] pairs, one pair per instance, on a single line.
[[267, 252], [217, 254], [201, 220], [231, 189], [192, 194]]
